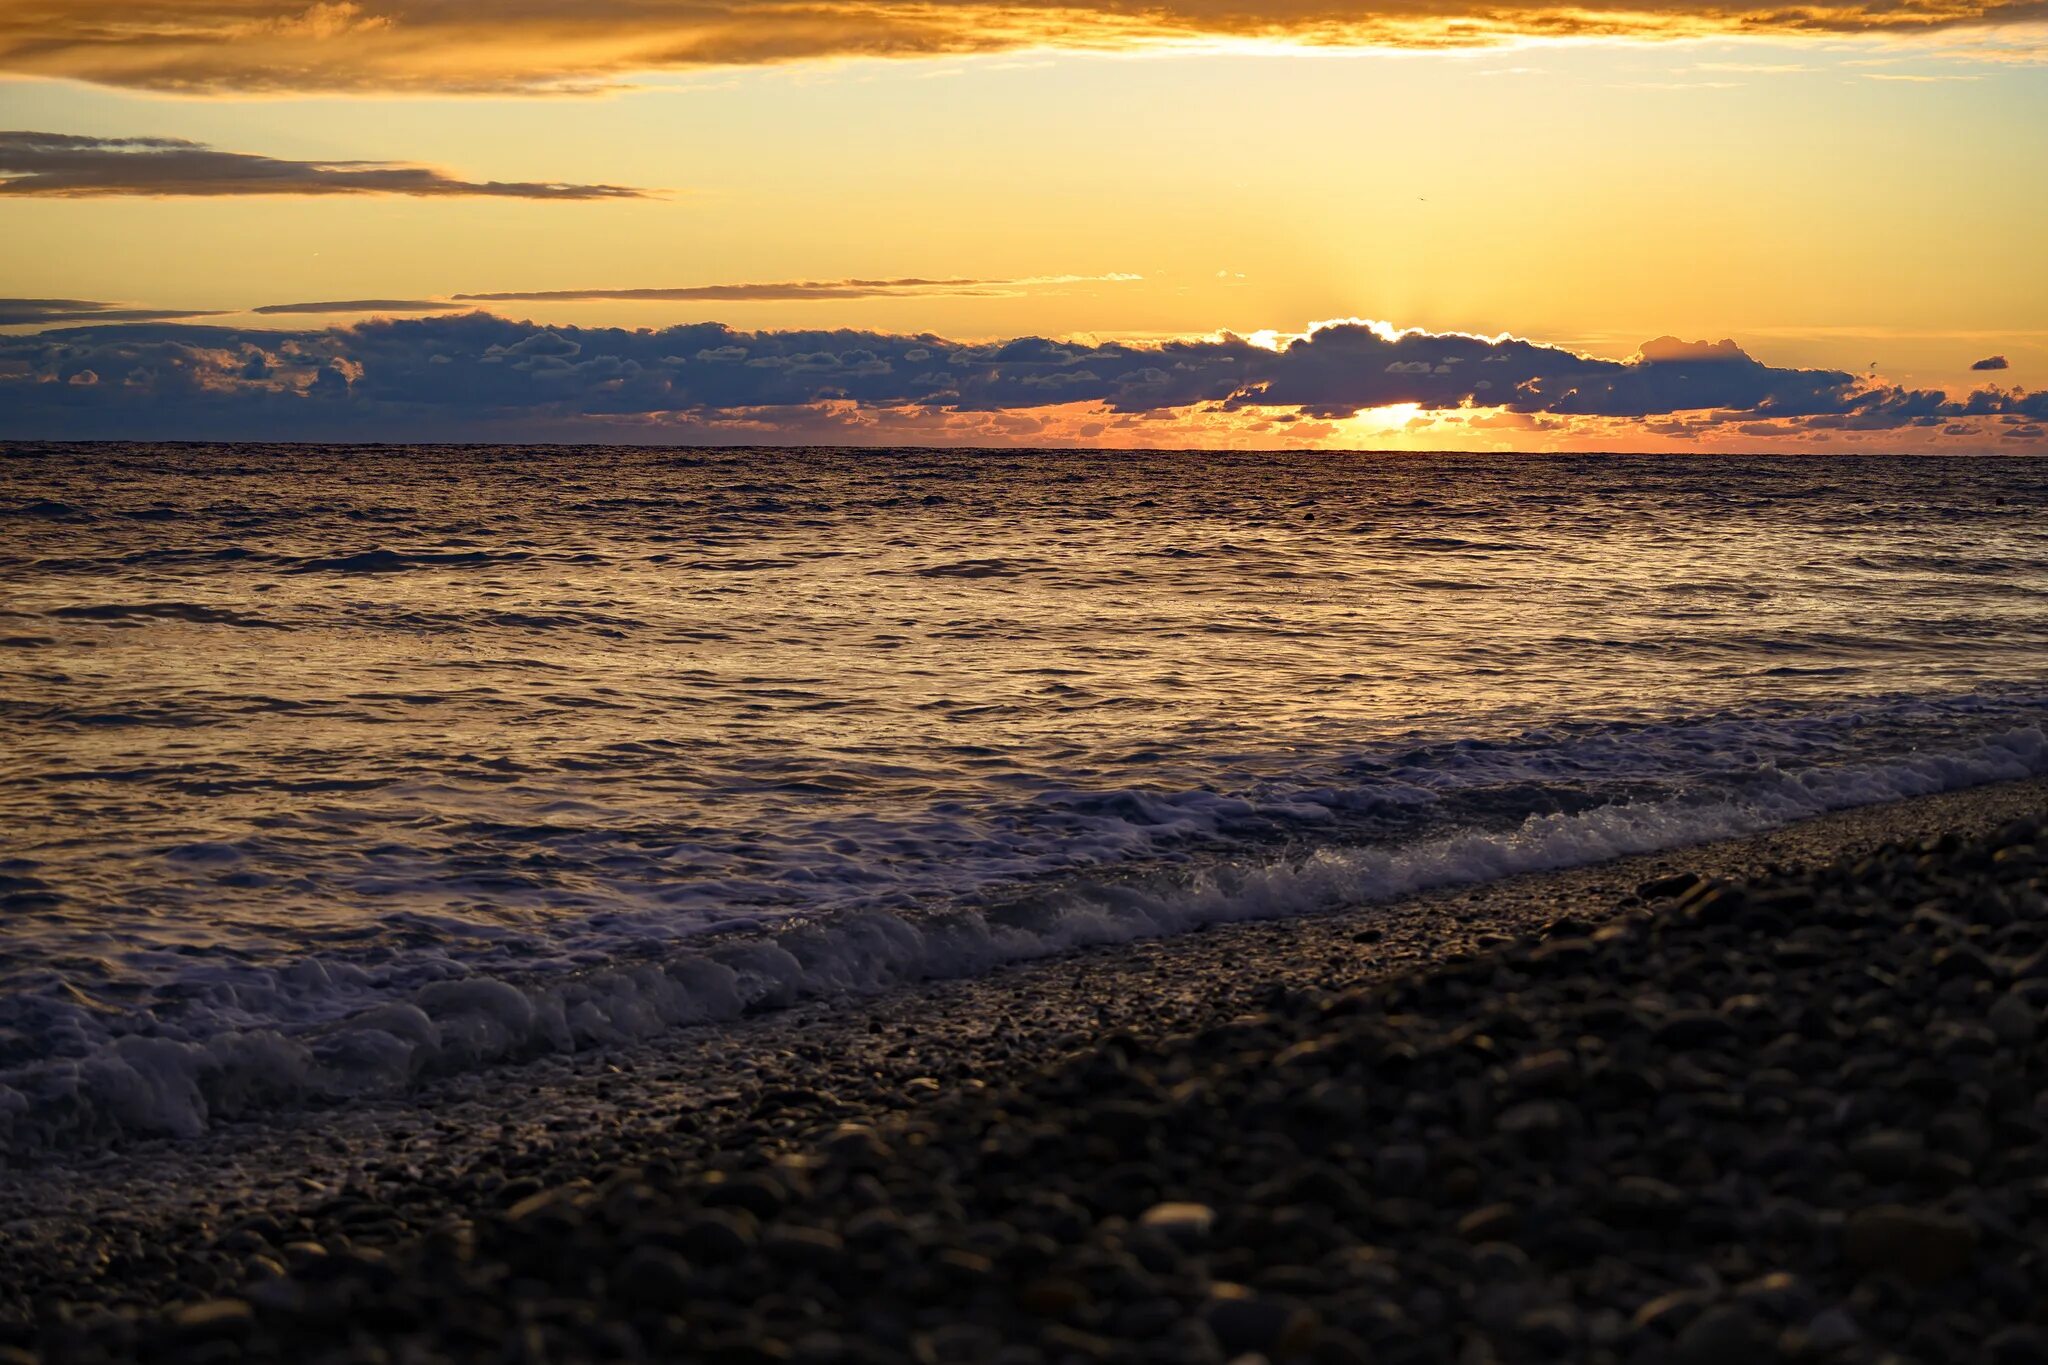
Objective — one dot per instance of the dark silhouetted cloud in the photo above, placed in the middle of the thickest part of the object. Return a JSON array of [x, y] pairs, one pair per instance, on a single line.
[[482, 376], [65, 165], [577, 45], [44, 312], [1992, 362], [359, 306]]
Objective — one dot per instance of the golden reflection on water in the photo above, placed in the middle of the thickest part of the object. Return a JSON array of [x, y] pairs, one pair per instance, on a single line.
[[366, 699]]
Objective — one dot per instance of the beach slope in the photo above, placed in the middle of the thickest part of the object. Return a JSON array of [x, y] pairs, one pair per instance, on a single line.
[[1775, 1098]]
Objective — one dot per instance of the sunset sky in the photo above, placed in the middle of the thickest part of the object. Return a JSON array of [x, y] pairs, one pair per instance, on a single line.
[[1420, 224]]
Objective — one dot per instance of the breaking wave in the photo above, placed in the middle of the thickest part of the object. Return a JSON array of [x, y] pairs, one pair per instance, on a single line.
[[137, 1084]]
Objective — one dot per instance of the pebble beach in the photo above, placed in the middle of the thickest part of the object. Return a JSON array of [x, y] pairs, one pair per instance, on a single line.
[[1781, 1097]]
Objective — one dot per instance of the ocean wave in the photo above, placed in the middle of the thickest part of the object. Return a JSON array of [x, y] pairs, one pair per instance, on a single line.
[[393, 561], [157, 1085], [196, 613], [981, 568]]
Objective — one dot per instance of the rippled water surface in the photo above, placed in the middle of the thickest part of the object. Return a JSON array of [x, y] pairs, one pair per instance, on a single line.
[[290, 730]]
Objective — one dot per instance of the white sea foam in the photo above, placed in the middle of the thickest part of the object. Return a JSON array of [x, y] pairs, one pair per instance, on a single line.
[[159, 1085]]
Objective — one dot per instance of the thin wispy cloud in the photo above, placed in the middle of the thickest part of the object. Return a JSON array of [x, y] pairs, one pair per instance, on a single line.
[[65, 165], [797, 291], [46, 312], [209, 46], [358, 306]]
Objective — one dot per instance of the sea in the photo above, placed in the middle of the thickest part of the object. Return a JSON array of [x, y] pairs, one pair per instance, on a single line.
[[327, 770]]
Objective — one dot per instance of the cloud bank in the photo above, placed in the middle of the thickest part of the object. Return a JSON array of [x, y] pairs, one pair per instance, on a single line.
[[478, 376], [210, 46], [65, 165]]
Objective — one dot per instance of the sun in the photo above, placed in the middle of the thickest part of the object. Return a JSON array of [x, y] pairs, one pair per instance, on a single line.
[[1388, 418]]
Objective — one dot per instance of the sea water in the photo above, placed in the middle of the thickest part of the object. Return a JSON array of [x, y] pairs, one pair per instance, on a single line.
[[324, 769]]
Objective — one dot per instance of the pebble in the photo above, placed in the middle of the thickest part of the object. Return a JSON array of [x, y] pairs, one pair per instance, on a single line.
[[1489, 1224], [215, 1317], [1888, 1154], [1183, 1222], [1245, 1321], [719, 1236], [1920, 1245], [1725, 1335], [1832, 1329], [652, 1277], [2013, 1020]]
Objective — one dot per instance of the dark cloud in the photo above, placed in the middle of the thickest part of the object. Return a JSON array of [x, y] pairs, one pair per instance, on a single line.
[[578, 45], [358, 306], [1992, 362], [483, 376], [64, 165], [1340, 369], [43, 312]]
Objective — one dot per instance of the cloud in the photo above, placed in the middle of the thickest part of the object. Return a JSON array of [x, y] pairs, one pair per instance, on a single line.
[[478, 376], [207, 46], [43, 312], [787, 291], [1670, 350], [1992, 362], [64, 165], [358, 306]]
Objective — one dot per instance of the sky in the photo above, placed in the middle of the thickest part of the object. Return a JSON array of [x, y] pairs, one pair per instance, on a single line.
[[1417, 224]]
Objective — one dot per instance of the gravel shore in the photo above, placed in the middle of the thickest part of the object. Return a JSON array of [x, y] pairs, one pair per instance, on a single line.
[[1780, 1098]]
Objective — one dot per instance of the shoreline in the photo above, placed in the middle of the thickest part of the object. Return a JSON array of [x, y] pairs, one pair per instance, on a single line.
[[129, 1087], [766, 1084]]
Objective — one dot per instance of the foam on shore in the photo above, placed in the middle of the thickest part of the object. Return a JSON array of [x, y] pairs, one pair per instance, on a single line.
[[138, 1085]]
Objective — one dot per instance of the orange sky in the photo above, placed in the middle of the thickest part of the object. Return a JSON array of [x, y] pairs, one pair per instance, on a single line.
[[1848, 189]]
